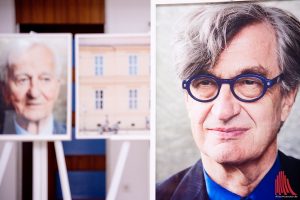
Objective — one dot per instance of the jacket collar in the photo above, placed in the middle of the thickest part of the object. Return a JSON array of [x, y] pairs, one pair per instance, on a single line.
[[192, 186]]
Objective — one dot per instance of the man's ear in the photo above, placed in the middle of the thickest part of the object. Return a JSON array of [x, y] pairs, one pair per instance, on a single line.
[[287, 103]]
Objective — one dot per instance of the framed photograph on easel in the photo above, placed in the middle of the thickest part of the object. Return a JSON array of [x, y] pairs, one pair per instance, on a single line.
[[35, 87], [112, 86]]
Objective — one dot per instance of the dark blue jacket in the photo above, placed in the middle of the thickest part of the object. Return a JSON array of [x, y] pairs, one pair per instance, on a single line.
[[189, 184]]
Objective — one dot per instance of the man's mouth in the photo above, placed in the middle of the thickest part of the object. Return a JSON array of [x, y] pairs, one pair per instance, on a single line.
[[34, 104], [228, 132]]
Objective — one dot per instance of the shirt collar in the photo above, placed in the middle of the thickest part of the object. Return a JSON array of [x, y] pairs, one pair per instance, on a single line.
[[264, 190], [46, 130]]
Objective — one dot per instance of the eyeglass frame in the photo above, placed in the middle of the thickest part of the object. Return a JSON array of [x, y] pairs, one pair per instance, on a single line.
[[267, 83]]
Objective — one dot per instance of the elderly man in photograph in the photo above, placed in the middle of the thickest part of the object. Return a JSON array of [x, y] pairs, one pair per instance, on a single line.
[[30, 75], [240, 70]]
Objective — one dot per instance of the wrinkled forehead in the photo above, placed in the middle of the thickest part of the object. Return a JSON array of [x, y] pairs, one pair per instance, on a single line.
[[30, 51], [253, 49], [35, 60], [254, 46]]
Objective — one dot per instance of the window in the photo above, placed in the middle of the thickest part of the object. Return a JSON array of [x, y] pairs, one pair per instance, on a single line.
[[99, 99], [98, 65], [133, 103], [133, 67]]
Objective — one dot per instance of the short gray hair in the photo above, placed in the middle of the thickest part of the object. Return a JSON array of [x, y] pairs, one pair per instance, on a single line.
[[203, 37], [19, 46]]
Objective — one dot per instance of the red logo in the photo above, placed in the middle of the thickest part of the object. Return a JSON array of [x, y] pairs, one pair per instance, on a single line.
[[283, 187]]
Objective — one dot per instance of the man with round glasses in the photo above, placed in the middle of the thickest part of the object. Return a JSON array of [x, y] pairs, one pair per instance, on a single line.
[[240, 70]]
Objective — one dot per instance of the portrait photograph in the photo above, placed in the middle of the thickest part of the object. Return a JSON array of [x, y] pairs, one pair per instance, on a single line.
[[35, 81], [227, 102], [112, 86]]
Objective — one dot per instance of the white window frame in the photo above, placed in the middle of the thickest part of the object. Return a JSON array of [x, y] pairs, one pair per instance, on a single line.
[[99, 65], [133, 64], [133, 99], [99, 94]]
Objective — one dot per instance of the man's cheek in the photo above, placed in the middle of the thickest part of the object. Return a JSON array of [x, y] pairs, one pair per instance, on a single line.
[[193, 117], [50, 93]]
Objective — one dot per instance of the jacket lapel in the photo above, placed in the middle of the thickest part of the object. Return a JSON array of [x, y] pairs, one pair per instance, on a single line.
[[192, 186]]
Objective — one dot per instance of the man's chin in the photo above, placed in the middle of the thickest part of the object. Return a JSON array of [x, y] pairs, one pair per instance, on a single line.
[[36, 118], [226, 156]]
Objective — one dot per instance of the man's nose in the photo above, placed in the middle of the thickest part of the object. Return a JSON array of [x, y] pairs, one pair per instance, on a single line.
[[225, 106], [34, 89]]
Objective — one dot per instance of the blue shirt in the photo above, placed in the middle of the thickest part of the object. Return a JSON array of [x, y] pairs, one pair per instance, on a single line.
[[264, 190], [47, 129]]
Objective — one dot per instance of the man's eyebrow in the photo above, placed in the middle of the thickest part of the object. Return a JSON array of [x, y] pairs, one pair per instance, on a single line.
[[260, 70], [254, 70], [46, 74], [19, 74], [205, 71]]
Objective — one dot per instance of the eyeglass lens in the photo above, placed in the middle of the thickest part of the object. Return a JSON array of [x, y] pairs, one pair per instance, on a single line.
[[246, 88]]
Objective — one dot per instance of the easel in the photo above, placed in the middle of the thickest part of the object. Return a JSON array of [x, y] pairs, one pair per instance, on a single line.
[[40, 168], [118, 171]]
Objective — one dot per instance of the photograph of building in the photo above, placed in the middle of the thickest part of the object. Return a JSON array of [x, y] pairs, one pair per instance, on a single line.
[[113, 84]]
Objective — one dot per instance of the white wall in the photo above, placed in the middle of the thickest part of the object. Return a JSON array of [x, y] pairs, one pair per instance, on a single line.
[[10, 182], [134, 182], [127, 16], [9, 188], [7, 16]]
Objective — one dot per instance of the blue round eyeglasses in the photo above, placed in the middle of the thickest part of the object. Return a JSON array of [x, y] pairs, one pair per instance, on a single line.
[[244, 87]]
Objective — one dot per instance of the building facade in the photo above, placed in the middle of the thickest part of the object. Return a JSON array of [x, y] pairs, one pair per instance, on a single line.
[[113, 83]]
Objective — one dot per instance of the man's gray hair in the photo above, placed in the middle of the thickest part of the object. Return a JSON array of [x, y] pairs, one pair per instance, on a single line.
[[19, 46], [207, 30]]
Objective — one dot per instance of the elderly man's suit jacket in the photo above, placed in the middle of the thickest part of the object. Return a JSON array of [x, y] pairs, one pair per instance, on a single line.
[[9, 126], [189, 184]]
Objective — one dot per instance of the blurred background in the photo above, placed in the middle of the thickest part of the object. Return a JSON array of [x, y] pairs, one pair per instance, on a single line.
[[90, 163]]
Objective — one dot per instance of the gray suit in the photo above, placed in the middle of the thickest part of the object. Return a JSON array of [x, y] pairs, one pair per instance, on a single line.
[[9, 126]]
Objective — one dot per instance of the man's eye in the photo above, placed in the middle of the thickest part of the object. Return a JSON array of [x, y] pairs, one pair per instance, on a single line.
[[249, 82], [46, 79], [22, 80], [203, 83]]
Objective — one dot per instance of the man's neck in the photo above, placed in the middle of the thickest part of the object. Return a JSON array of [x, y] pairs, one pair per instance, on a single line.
[[33, 127], [241, 178]]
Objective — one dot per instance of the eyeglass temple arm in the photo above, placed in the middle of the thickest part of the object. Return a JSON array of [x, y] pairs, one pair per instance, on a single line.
[[275, 80]]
